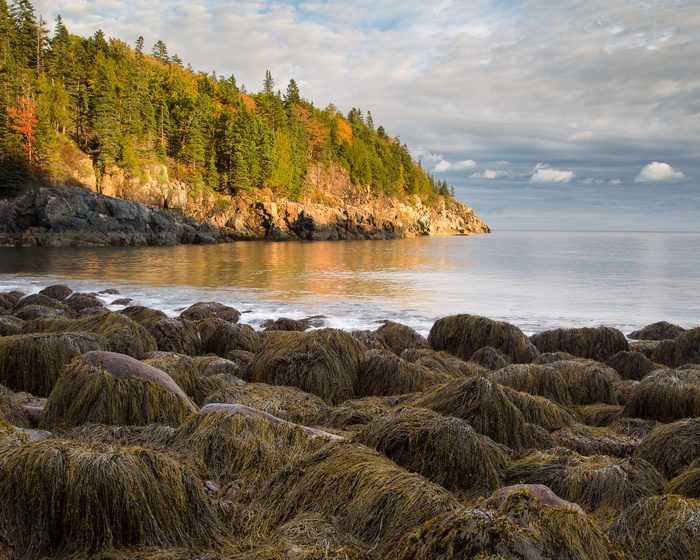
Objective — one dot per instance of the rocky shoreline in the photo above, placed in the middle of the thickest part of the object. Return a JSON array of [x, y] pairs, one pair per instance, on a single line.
[[131, 434], [72, 216]]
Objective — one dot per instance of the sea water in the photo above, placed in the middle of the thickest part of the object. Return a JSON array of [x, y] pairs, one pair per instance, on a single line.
[[534, 280]]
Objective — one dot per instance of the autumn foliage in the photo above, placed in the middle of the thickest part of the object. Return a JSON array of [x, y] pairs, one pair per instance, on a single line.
[[25, 121]]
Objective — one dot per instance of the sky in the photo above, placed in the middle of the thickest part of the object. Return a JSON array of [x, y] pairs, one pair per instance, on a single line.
[[543, 114]]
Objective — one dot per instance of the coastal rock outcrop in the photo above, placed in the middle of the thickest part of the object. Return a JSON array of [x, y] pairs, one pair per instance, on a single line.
[[71, 216]]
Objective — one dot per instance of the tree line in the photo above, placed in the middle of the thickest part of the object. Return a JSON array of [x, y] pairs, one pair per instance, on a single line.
[[126, 107]]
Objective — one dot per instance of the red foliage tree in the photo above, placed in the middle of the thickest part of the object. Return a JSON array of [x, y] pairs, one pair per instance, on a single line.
[[24, 117]]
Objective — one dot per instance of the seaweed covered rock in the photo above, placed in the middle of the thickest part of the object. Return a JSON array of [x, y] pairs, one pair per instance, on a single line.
[[123, 335], [672, 447], [11, 410], [446, 450], [109, 388], [325, 362], [592, 440], [483, 404], [9, 325], [63, 498], [33, 362], [384, 374], [371, 340], [224, 337], [490, 358], [593, 343], [235, 446], [79, 302], [58, 292], [43, 302], [684, 349], [171, 334], [631, 365], [369, 496], [287, 324], [540, 410], [288, 403], [661, 330], [441, 362], [686, 484], [463, 335], [541, 380], [659, 527], [180, 367], [399, 337], [523, 522], [310, 536], [666, 395], [589, 382], [209, 309], [597, 483]]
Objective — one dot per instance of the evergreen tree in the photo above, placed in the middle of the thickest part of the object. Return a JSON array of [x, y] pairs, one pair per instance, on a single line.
[[268, 83], [292, 97], [160, 52]]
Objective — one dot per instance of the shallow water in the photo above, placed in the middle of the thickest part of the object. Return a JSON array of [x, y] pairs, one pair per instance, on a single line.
[[535, 280]]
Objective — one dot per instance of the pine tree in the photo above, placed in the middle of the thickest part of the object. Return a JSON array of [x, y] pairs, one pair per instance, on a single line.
[[268, 83]]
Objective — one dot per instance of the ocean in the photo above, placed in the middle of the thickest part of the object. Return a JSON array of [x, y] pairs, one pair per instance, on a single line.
[[534, 280]]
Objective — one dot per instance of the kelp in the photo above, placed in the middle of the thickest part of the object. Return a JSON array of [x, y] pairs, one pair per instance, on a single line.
[[79, 302], [598, 414], [593, 343], [684, 349], [539, 410], [220, 338], [237, 447], [324, 362], [89, 391], [483, 404], [41, 300], [661, 330], [384, 374], [624, 390], [549, 357], [598, 483], [288, 403], [490, 358], [400, 337], [659, 527], [631, 365], [9, 325], [123, 335], [152, 436], [370, 497], [518, 527], [462, 335], [370, 339], [62, 498], [672, 447], [357, 412], [540, 380], [57, 291], [590, 440], [171, 334], [589, 382], [11, 410], [310, 536], [445, 450], [180, 367], [33, 362], [686, 484], [441, 362], [666, 395], [209, 309]]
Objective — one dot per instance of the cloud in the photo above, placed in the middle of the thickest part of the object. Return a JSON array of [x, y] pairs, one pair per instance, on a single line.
[[445, 165], [583, 135], [543, 173], [657, 172], [491, 174]]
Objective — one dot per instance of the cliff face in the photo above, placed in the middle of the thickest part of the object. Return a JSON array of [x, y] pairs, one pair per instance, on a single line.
[[152, 209]]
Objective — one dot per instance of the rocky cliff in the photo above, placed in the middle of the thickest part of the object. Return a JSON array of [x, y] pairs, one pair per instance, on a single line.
[[152, 209]]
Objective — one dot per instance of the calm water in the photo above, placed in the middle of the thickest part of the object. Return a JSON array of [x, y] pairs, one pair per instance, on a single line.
[[535, 280]]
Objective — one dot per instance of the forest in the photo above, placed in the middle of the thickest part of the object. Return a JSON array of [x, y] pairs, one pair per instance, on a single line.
[[127, 107]]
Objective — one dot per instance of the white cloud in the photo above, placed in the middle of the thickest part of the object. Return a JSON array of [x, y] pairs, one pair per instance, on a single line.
[[543, 173], [657, 172], [583, 135], [491, 174], [445, 165]]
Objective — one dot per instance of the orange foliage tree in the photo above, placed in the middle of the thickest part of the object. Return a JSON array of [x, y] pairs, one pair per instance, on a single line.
[[24, 117]]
